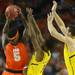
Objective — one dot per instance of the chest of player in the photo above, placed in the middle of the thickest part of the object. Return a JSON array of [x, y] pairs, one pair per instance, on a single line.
[[16, 53]]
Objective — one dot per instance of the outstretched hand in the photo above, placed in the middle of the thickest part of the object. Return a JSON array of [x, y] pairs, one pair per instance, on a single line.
[[29, 10], [49, 18], [54, 6]]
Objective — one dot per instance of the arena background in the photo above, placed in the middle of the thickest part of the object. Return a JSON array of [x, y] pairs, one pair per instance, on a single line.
[[66, 9]]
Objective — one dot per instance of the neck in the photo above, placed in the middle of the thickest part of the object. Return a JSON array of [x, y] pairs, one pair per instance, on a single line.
[[14, 43]]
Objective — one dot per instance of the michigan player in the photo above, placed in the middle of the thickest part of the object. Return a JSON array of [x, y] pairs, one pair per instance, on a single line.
[[67, 37], [15, 48], [41, 55]]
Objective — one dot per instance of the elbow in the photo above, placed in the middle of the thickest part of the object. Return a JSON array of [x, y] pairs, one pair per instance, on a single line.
[[52, 33], [3, 31]]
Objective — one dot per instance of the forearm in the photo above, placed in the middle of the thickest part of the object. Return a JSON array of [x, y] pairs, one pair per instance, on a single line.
[[55, 33], [36, 29], [33, 37], [6, 26], [34, 24], [60, 23], [24, 20], [36, 45]]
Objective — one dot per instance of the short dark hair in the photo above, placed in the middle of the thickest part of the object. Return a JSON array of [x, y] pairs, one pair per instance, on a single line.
[[12, 33]]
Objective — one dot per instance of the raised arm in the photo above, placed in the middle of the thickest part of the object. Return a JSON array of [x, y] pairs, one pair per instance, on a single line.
[[33, 37], [6, 26], [36, 45], [35, 27], [4, 33], [63, 38], [25, 35], [29, 33], [29, 10], [52, 29], [58, 20]]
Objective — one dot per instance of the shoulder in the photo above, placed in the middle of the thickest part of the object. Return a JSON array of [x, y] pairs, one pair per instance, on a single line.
[[69, 40], [8, 45], [22, 44]]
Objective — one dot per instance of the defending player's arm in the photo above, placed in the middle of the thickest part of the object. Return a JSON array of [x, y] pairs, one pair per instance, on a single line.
[[4, 33], [36, 45], [25, 36], [65, 39], [30, 33], [52, 29], [33, 38], [35, 26], [58, 20], [68, 39]]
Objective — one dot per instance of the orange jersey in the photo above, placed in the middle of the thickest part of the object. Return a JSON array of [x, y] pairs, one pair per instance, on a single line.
[[16, 56]]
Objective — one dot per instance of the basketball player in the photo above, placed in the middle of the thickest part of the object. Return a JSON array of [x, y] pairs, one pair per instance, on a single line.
[[67, 37], [41, 54], [16, 52]]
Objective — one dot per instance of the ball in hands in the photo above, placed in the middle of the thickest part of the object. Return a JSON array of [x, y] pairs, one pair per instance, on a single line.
[[12, 11]]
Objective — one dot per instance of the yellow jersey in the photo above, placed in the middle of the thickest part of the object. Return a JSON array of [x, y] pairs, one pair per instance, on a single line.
[[37, 68], [69, 60]]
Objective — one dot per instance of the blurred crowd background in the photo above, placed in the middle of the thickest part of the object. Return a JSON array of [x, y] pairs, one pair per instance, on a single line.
[[66, 10]]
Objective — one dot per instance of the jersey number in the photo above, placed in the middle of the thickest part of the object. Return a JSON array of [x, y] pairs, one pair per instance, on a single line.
[[16, 54]]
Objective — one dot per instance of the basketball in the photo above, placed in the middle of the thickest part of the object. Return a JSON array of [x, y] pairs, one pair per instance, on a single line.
[[12, 11]]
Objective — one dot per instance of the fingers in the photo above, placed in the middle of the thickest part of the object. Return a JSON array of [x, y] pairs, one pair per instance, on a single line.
[[54, 2], [50, 18], [54, 6], [29, 10]]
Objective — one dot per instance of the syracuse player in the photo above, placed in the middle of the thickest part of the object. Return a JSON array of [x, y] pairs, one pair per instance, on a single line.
[[15, 48]]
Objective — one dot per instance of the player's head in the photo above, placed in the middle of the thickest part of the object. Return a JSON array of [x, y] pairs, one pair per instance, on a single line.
[[13, 36], [72, 29]]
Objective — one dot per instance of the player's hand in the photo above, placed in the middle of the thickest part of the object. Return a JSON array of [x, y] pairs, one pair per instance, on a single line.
[[29, 10], [17, 10], [49, 18], [54, 6]]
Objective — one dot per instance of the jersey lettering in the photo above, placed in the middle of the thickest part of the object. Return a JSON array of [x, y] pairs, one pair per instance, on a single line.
[[16, 54]]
